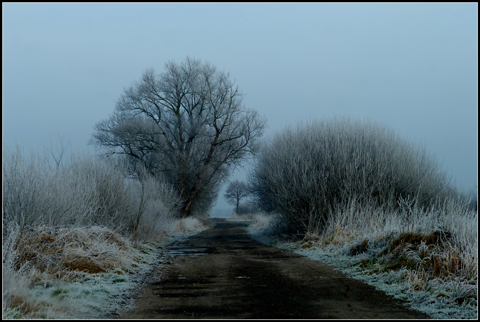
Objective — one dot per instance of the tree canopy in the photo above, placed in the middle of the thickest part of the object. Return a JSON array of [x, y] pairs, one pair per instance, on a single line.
[[187, 124]]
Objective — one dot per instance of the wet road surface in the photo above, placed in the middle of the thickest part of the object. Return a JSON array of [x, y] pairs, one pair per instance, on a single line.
[[223, 273]]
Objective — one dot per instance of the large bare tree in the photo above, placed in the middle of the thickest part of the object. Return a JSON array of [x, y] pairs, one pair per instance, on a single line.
[[236, 191], [187, 123]]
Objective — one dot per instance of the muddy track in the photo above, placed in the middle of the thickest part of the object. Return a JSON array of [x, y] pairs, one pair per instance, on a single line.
[[223, 273]]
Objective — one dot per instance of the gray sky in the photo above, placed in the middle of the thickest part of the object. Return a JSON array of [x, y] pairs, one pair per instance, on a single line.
[[412, 67]]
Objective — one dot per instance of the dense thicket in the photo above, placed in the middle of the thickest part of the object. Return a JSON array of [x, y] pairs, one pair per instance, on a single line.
[[303, 174]]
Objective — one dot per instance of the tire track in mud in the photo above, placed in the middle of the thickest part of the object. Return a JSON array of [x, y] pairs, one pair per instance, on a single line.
[[223, 273]]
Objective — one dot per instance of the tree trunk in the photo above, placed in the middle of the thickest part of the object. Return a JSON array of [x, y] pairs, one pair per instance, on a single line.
[[186, 210]]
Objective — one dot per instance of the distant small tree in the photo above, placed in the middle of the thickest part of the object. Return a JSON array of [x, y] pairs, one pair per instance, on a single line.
[[236, 191]]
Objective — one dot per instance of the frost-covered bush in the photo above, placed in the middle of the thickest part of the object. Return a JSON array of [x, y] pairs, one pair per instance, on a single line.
[[82, 192], [303, 174]]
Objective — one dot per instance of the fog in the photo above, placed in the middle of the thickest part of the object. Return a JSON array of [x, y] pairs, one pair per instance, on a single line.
[[410, 66]]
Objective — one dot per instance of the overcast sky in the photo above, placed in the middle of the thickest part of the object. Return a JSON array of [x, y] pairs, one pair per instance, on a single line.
[[412, 67]]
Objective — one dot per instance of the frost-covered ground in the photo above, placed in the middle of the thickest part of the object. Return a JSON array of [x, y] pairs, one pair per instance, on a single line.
[[81, 295], [395, 283], [441, 298]]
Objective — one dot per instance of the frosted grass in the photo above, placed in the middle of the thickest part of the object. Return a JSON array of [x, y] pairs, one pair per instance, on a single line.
[[447, 297], [80, 295], [31, 294], [396, 283], [82, 214]]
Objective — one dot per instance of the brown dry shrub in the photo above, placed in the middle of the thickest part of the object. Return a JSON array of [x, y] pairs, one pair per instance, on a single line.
[[310, 237], [436, 255], [84, 264], [91, 250], [307, 244], [437, 238], [359, 248], [26, 307], [339, 236], [37, 248], [448, 263]]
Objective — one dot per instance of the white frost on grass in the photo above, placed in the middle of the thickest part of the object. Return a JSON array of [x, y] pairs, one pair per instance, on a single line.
[[80, 295], [435, 303], [97, 295], [437, 298]]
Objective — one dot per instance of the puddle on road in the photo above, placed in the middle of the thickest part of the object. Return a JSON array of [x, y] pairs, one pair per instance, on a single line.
[[187, 251]]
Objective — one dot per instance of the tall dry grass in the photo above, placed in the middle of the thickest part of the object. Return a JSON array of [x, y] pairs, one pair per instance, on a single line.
[[433, 252], [78, 222], [426, 257], [83, 191], [441, 241]]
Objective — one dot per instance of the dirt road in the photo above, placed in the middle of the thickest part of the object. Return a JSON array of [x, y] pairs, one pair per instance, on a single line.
[[223, 273]]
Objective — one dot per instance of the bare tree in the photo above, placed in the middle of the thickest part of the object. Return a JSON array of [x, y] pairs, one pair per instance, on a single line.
[[188, 124], [58, 152], [236, 191]]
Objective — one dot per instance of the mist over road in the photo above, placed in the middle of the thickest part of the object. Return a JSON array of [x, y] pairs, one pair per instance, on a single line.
[[223, 273]]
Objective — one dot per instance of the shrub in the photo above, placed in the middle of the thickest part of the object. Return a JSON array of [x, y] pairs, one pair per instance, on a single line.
[[86, 191], [304, 174]]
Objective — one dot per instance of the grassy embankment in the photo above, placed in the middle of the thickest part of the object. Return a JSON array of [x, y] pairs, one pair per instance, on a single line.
[[429, 259], [79, 236]]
